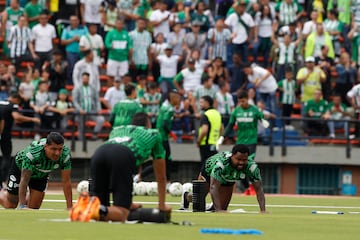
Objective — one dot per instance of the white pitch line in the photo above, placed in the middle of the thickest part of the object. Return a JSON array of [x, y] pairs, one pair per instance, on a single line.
[[240, 205]]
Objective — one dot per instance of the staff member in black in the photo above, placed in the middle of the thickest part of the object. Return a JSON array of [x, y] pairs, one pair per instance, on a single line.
[[210, 129], [9, 112]]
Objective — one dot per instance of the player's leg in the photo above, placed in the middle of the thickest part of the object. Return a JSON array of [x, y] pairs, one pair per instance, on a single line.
[[10, 198], [123, 169], [37, 192]]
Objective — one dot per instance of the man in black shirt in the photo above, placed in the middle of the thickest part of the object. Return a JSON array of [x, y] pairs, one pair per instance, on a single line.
[[9, 112]]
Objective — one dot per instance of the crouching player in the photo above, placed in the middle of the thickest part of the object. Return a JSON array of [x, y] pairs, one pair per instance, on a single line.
[[222, 170], [112, 168], [31, 168]]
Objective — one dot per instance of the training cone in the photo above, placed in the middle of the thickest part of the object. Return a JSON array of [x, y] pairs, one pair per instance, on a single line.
[[250, 191]]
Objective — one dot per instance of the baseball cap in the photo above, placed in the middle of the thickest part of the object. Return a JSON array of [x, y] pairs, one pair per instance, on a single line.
[[117, 79], [310, 59], [63, 91]]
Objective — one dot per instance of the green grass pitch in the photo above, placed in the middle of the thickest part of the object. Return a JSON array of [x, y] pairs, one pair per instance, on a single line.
[[289, 218]]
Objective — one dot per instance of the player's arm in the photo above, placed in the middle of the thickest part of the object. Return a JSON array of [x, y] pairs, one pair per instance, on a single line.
[[160, 175], [19, 118], [215, 193], [1, 126], [204, 125], [260, 195], [66, 182], [24, 182]]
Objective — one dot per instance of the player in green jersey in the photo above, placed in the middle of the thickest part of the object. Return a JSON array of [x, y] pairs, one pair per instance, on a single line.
[[124, 110], [31, 168], [222, 170], [246, 117], [112, 167]]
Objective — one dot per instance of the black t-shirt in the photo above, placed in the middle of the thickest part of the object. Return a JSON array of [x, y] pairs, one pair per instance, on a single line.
[[6, 110]]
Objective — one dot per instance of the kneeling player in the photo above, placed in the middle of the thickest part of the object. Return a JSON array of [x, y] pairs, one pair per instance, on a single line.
[[222, 170], [112, 168]]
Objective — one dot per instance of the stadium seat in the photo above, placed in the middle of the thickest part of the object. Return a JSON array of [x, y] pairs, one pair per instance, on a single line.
[[25, 64], [104, 78]]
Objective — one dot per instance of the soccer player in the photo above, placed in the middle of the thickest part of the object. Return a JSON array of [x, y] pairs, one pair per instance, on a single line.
[[222, 170], [114, 163], [246, 117], [31, 168], [124, 110]]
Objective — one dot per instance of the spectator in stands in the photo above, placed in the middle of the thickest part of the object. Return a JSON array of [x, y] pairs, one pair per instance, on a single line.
[[20, 43], [309, 78], [219, 38], [123, 111], [168, 69], [62, 107], [347, 74], [287, 88], [141, 39], [87, 65], [217, 71], [26, 88], [200, 17], [10, 114], [159, 19], [91, 12], [238, 80], [176, 39], [317, 39], [4, 91], [327, 65], [151, 102], [114, 94], [317, 109], [109, 16], [242, 25], [86, 101], [195, 39], [70, 38], [189, 78], [141, 86], [94, 42], [222, 7], [33, 9], [57, 69], [157, 49], [311, 25], [120, 47], [334, 28], [262, 34], [43, 34], [9, 18], [207, 88], [265, 84], [225, 103], [338, 111], [65, 9], [11, 78], [200, 61], [354, 98], [40, 103], [288, 11]]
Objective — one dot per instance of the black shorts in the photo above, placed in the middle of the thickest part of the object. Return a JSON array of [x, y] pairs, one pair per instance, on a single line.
[[112, 169], [38, 184]]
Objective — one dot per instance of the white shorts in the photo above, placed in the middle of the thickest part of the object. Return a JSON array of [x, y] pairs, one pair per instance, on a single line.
[[116, 68]]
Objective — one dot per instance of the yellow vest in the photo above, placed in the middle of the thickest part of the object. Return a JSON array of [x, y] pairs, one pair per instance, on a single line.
[[213, 135]]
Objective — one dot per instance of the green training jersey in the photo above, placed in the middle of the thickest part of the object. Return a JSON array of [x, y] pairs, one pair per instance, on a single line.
[[219, 168], [141, 141], [164, 120], [124, 111], [319, 108], [33, 158], [247, 124], [119, 45]]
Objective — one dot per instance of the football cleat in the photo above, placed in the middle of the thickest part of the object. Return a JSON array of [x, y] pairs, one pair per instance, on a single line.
[[92, 211], [79, 206]]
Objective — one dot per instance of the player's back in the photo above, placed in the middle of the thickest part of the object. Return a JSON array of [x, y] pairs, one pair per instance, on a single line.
[[125, 110], [141, 141]]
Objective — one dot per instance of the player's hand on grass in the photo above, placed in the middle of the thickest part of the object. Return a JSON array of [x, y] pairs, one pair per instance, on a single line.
[[165, 208]]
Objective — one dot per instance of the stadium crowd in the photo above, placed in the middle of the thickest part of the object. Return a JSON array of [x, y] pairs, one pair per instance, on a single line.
[[66, 56]]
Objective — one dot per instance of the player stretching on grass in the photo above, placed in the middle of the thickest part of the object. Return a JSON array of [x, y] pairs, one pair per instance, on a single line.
[[112, 167], [31, 168], [221, 172]]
